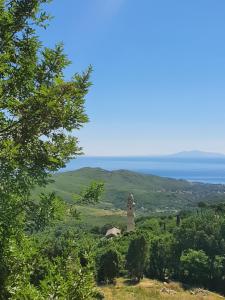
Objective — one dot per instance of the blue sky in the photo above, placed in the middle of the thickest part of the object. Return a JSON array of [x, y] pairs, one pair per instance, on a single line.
[[159, 72]]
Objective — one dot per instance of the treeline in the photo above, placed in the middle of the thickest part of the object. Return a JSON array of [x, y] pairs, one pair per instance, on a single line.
[[190, 249]]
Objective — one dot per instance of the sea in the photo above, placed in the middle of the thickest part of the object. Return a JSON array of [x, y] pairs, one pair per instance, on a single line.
[[206, 170]]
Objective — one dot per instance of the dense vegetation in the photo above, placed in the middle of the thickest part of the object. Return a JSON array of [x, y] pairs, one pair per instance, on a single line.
[[43, 255], [152, 193], [188, 248], [38, 111]]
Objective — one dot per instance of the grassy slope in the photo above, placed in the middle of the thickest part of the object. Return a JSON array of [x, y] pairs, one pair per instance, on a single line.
[[99, 217], [153, 290], [151, 192]]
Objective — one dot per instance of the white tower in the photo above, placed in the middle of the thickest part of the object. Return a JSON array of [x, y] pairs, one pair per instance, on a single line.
[[130, 213]]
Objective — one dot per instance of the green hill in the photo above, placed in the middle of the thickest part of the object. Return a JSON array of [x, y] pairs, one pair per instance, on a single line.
[[152, 193]]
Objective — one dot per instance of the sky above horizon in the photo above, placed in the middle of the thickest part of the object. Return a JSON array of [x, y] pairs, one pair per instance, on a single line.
[[159, 72]]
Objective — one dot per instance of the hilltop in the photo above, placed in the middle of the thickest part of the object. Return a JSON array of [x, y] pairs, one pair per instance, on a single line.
[[152, 193]]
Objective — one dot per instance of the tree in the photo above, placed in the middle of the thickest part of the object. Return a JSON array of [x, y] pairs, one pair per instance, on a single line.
[[136, 257], [45, 212], [200, 232], [58, 271], [217, 273], [160, 256], [202, 204], [91, 194], [195, 266], [39, 109], [108, 266], [218, 267]]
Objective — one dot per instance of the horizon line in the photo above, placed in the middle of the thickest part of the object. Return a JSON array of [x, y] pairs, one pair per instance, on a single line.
[[153, 155]]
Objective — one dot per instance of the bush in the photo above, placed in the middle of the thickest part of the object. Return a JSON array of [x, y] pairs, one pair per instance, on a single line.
[[194, 267]]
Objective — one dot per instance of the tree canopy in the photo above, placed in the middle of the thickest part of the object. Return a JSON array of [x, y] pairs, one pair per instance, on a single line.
[[39, 111]]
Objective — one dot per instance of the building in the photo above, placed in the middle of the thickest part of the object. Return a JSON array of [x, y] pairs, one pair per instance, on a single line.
[[113, 232], [130, 213]]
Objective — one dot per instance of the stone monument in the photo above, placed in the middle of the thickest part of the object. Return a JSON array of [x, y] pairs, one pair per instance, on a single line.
[[130, 213]]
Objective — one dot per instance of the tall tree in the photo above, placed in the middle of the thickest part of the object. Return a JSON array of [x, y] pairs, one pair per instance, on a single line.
[[160, 256], [136, 257], [108, 266], [39, 109]]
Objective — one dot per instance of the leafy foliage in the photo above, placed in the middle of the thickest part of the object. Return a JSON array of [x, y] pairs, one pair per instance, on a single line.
[[108, 266], [93, 193], [190, 251], [39, 109], [160, 256], [43, 213], [136, 257], [195, 266]]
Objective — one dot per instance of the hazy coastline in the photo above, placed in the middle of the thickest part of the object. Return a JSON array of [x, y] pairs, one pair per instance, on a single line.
[[201, 169]]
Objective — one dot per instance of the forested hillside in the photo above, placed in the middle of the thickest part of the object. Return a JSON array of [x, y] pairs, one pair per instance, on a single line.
[[152, 193]]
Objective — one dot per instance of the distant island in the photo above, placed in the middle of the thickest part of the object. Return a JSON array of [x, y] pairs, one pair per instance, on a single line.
[[190, 165], [196, 154]]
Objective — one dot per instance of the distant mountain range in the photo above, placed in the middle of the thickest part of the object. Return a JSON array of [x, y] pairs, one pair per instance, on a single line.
[[196, 154]]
